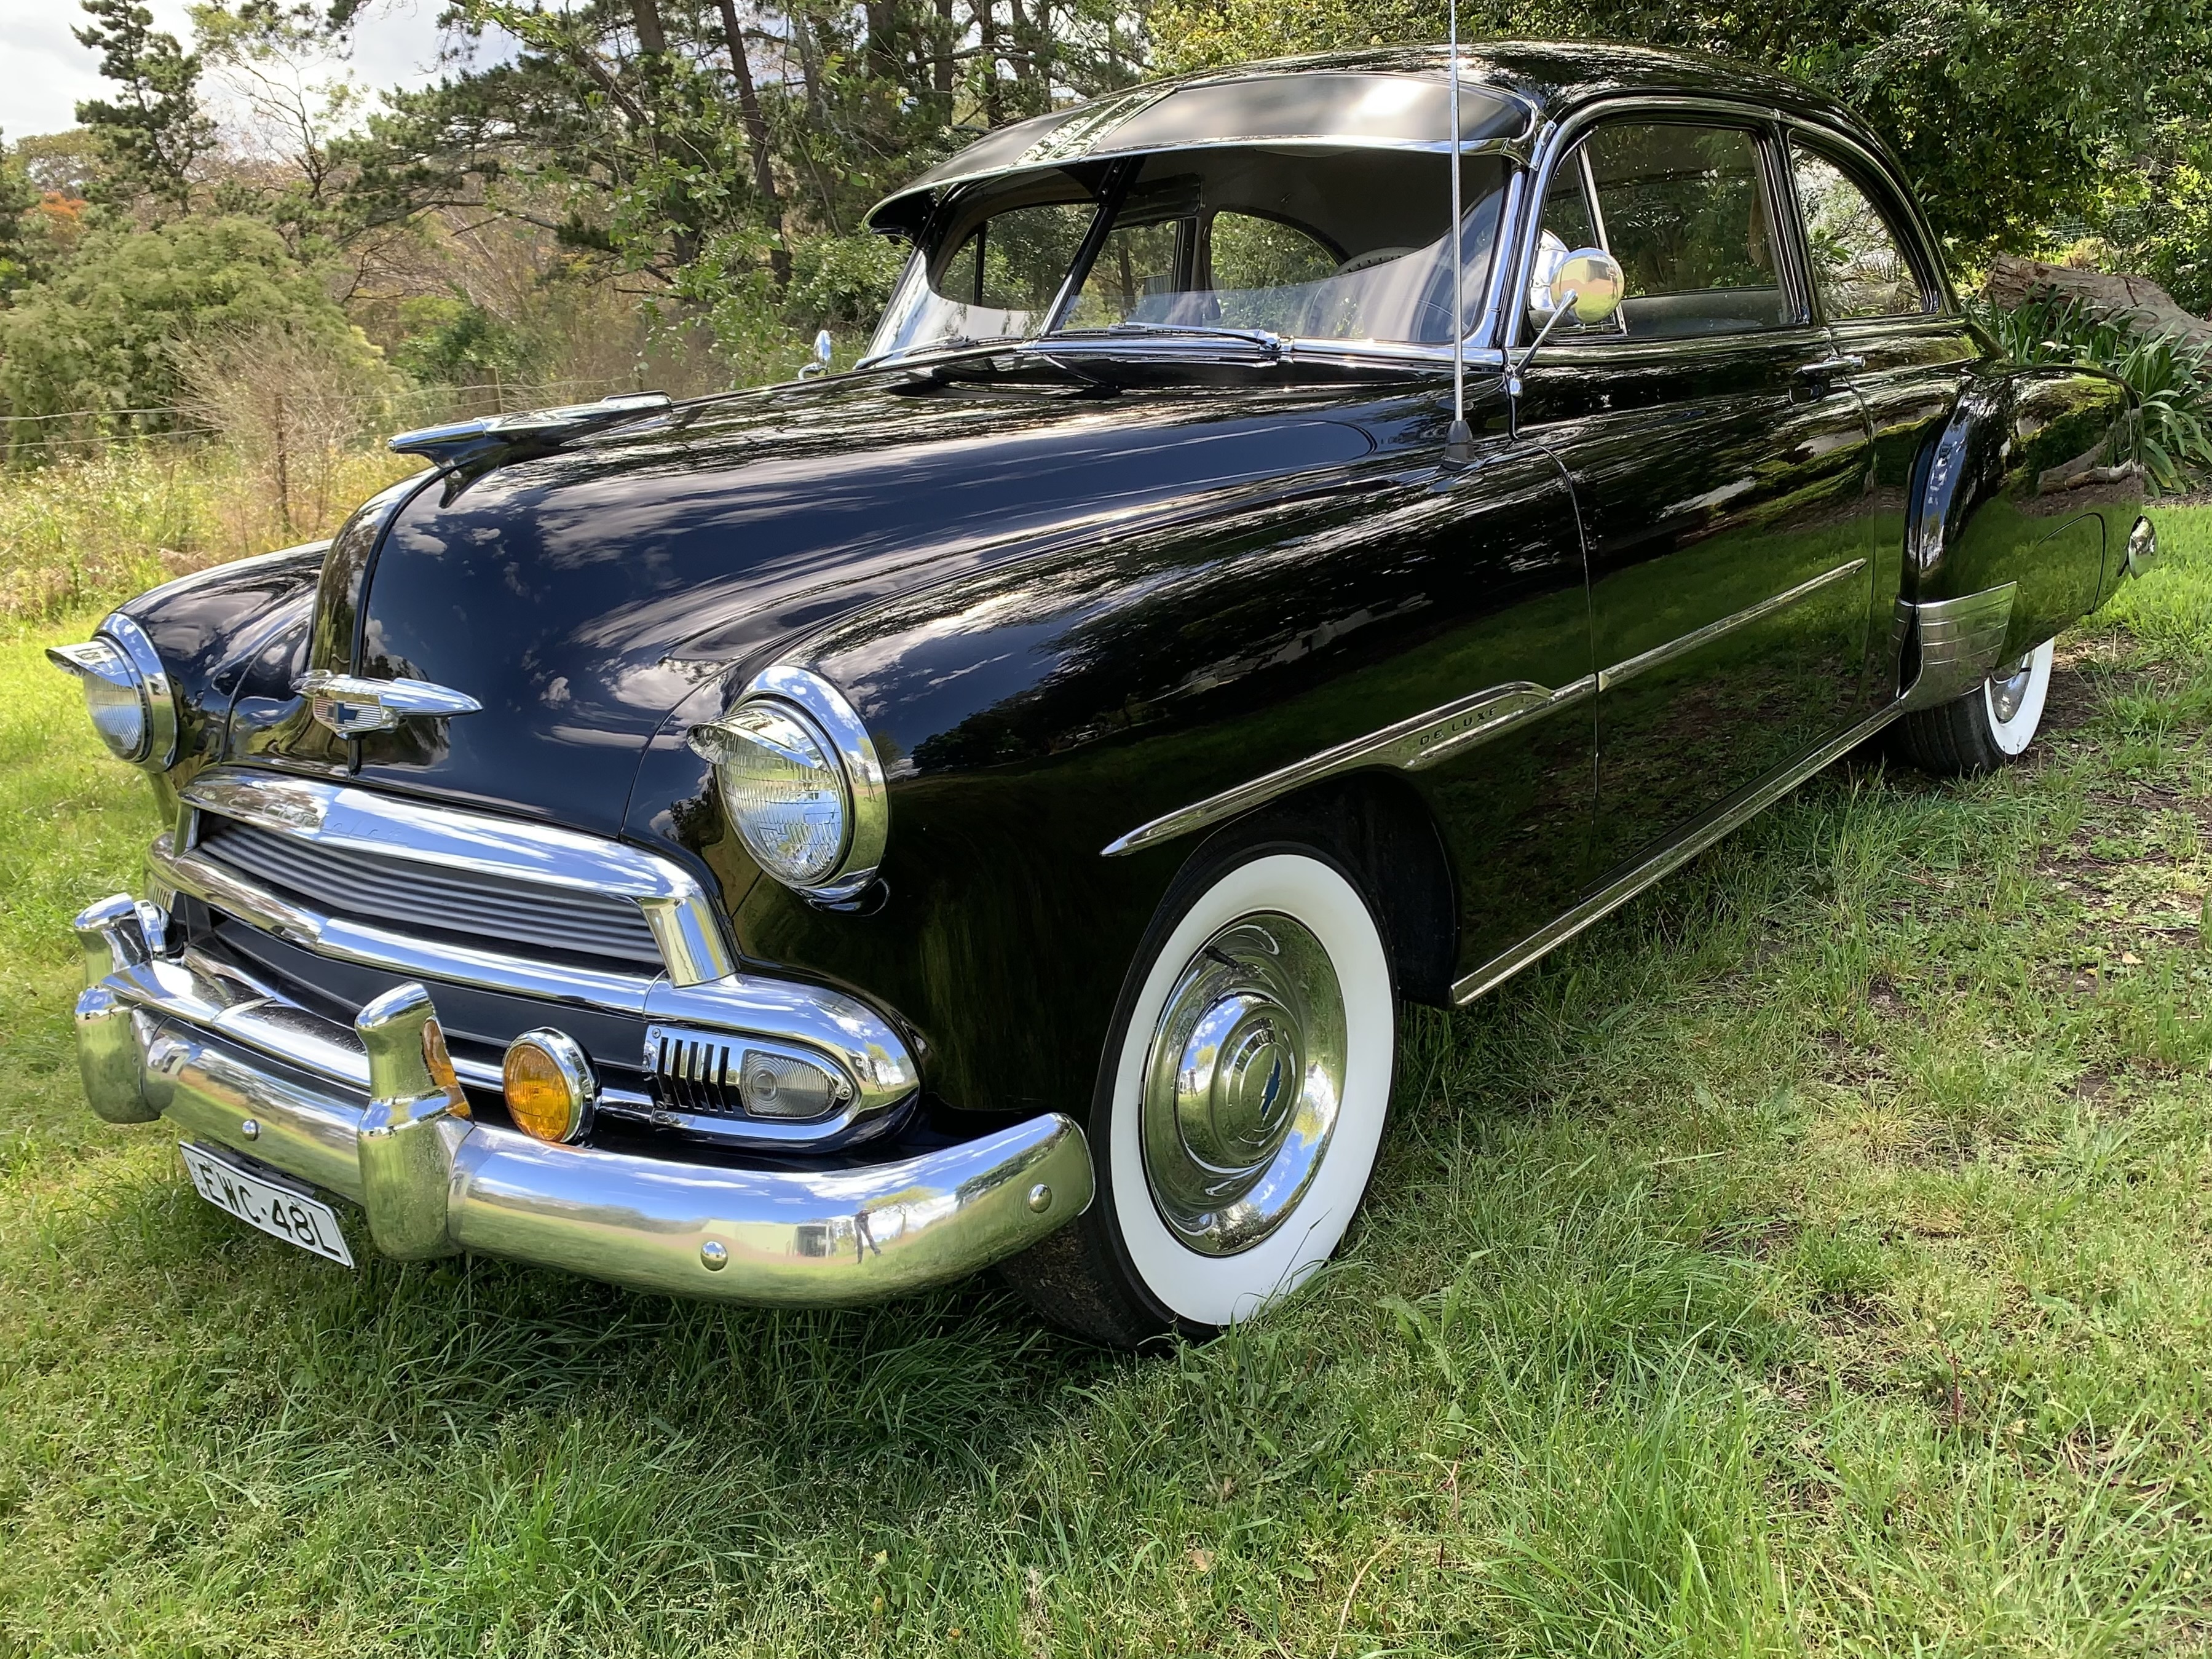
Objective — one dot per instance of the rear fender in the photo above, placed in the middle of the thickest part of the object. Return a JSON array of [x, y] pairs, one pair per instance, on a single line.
[[2022, 518]]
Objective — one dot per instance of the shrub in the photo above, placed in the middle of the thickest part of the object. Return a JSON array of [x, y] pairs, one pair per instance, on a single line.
[[103, 334], [290, 402]]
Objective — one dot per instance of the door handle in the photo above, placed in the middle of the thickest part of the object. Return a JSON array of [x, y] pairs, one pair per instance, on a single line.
[[1829, 367]]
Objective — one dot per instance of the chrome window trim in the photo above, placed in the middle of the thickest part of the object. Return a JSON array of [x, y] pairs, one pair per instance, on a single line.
[[1558, 137], [684, 921], [1479, 338], [1925, 252]]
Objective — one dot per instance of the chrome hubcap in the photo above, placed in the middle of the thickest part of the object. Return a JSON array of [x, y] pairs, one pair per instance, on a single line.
[[2008, 691], [1242, 1083]]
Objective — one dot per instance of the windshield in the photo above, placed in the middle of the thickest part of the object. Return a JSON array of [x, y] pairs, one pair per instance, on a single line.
[[1312, 242]]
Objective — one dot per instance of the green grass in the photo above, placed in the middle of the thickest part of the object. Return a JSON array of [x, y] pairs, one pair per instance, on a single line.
[[1817, 1255]]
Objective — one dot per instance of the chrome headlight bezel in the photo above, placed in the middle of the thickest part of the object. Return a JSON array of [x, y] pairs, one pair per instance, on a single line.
[[120, 656], [817, 707]]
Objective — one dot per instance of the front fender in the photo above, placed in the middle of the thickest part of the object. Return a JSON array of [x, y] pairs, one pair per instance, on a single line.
[[2017, 490]]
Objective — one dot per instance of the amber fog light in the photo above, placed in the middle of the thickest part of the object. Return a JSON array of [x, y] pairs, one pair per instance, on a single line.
[[550, 1087]]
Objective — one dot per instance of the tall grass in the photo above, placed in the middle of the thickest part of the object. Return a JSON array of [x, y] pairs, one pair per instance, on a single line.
[[79, 534]]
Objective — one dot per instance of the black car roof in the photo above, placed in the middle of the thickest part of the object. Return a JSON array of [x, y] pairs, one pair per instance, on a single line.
[[1509, 89]]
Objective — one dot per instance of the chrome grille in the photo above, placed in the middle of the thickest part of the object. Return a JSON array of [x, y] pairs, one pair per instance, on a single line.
[[408, 897]]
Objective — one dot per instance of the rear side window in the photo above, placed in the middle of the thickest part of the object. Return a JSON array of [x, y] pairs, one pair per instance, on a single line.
[[1859, 267], [1685, 210]]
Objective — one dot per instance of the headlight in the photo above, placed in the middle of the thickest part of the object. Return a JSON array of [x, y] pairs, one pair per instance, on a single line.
[[126, 691], [799, 779]]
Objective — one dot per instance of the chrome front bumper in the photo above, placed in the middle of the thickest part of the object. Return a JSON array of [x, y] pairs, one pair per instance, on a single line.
[[354, 1109]]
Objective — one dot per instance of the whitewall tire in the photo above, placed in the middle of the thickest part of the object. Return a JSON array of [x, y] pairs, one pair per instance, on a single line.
[[1989, 727], [1240, 1106]]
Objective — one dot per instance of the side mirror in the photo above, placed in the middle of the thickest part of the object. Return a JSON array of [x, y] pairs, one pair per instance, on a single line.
[[823, 345], [1590, 282], [1587, 285]]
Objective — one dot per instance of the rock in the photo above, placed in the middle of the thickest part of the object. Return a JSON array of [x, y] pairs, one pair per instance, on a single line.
[[2137, 300]]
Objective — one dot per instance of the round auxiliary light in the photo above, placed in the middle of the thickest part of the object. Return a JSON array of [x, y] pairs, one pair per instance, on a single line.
[[550, 1090]]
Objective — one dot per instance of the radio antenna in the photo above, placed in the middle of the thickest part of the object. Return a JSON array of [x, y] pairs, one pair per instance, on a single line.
[[1459, 442]]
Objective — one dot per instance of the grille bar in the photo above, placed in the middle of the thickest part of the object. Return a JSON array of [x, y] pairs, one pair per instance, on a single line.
[[410, 897], [694, 1072]]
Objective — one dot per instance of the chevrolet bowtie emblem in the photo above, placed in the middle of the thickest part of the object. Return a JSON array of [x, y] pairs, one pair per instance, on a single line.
[[351, 705]]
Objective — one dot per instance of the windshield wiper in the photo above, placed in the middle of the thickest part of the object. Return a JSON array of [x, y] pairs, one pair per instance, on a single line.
[[1265, 339]]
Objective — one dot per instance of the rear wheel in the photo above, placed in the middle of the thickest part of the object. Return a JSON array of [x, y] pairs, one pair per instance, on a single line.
[[1239, 1106], [1992, 724]]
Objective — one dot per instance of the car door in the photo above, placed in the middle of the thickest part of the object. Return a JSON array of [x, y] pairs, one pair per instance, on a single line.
[[1720, 466], [1901, 344]]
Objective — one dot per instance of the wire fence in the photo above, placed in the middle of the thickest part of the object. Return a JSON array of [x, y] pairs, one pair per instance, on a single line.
[[85, 433]]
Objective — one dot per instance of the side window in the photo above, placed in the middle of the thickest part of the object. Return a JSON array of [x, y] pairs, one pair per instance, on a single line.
[[1859, 267], [1684, 209]]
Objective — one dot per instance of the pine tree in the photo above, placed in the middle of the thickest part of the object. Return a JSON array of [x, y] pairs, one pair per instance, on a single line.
[[154, 131]]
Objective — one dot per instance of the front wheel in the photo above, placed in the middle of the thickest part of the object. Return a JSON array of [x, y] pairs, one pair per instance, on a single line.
[[1239, 1106], [1979, 733]]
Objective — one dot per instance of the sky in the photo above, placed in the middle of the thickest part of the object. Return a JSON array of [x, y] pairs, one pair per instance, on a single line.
[[44, 72]]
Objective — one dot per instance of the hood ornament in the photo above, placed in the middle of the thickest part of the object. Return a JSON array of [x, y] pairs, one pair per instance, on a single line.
[[351, 705], [466, 440]]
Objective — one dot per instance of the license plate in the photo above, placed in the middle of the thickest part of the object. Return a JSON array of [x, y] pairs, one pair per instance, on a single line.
[[280, 1209]]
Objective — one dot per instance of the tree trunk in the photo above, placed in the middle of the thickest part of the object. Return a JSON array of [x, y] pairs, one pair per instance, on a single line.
[[986, 35], [2136, 300], [749, 107], [941, 55], [650, 39]]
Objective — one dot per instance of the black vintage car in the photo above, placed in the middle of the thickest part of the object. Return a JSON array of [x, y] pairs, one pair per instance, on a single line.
[[987, 806]]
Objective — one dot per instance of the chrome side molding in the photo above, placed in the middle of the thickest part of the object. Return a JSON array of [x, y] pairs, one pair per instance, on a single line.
[[1644, 661], [1747, 803], [1427, 739], [1413, 745]]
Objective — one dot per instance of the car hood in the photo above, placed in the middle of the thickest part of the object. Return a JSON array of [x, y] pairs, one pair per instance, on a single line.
[[581, 596]]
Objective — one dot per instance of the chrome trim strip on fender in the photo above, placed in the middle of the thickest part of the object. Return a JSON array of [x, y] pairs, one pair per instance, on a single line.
[[1703, 832], [1427, 739], [1961, 640], [682, 919], [1682, 645], [1412, 745]]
